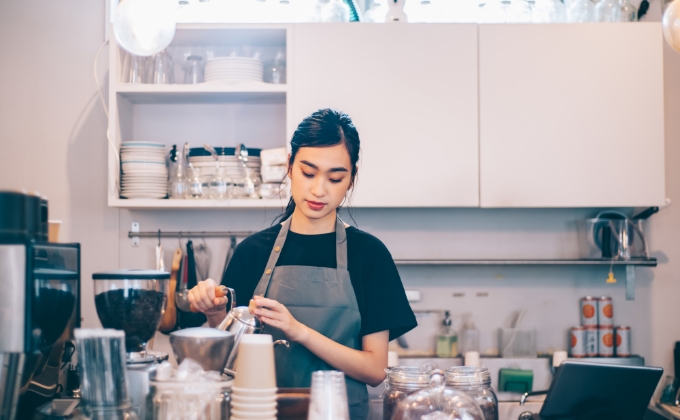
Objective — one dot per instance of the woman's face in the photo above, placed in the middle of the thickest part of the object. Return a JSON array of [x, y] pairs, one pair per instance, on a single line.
[[320, 178]]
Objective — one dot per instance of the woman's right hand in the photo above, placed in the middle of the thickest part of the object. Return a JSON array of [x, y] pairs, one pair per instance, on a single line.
[[202, 297]]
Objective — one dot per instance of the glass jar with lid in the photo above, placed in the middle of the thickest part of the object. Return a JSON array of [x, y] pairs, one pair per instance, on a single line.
[[475, 382], [401, 382], [438, 402]]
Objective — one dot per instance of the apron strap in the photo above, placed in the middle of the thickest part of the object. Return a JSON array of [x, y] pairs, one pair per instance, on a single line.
[[340, 253], [263, 285], [340, 245]]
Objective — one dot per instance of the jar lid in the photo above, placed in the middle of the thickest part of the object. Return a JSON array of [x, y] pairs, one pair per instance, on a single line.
[[409, 375], [131, 274], [468, 376]]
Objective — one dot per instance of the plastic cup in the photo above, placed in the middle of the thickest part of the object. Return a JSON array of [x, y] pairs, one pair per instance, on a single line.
[[255, 364]]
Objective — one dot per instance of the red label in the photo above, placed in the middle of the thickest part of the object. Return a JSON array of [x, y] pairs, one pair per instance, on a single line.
[[608, 339], [588, 311]]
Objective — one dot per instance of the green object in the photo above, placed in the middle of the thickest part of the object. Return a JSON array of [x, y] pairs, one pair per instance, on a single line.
[[516, 380], [447, 339]]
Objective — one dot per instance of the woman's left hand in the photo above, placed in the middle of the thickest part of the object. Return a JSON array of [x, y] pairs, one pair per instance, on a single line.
[[277, 315]]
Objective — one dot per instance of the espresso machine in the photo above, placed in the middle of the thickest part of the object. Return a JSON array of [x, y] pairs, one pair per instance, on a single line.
[[40, 284]]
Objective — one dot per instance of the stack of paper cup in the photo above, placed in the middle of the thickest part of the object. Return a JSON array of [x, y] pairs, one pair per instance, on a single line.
[[254, 390]]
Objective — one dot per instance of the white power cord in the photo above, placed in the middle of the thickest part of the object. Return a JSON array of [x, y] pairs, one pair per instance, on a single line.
[[106, 110]]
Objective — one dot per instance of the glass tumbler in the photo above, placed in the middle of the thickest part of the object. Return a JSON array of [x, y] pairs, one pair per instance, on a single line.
[[193, 184], [548, 11], [628, 11], [193, 70]]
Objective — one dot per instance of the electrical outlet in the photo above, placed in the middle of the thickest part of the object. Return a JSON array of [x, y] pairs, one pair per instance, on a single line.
[[413, 295]]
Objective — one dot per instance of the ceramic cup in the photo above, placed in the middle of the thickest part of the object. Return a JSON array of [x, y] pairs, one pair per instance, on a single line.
[[253, 408], [269, 399], [259, 416]]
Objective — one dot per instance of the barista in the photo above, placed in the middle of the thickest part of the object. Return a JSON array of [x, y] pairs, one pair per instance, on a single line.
[[331, 289]]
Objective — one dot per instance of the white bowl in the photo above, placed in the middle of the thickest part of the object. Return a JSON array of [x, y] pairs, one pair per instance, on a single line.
[[248, 415], [253, 408]]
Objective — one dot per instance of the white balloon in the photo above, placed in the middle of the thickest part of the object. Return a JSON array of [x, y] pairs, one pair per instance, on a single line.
[[671, 25], [145, 27]]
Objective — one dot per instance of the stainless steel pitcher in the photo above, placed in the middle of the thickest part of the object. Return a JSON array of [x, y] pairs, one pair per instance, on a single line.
[[239, 321]]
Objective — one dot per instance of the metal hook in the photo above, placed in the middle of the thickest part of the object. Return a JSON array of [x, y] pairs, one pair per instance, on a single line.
[[179, 239], [203, 237], [159, 237]]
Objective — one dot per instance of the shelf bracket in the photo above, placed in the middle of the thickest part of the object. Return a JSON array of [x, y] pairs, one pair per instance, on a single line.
[[630, 282]]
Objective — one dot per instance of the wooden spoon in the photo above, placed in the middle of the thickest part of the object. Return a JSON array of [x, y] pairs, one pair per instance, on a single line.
[[170, 317]]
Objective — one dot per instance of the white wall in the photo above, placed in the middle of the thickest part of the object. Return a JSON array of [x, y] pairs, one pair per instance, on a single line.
[[52, 133]]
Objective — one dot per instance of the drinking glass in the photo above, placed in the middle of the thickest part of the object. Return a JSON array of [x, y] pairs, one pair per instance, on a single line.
[[193, 70], [219, 185], [162, 68], [194, 185], [328, 397], [134, 69]]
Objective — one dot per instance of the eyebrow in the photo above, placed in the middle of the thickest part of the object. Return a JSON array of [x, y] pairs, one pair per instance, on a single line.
[[338, 169]]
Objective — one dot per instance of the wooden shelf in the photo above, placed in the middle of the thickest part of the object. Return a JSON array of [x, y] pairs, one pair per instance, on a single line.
[[151, 203], [203, 93], [651, 262]]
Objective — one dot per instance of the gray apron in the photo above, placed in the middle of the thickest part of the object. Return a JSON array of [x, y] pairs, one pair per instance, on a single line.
[[322, 299]]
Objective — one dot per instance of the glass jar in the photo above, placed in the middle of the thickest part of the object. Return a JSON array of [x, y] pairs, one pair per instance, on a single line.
[[475, 382], [628, 11], [438, 402], [193, 70], [174, 400], [132, 301], [401, 382], [580, 11]]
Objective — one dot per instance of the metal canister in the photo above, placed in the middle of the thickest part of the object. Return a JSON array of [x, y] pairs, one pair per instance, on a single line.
[[577, 339], [605, 341], [605, 311], [589, 311], [591, 342], [623, 341]]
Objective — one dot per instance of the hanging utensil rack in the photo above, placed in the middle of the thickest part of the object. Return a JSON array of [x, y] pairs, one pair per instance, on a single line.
[[189, 234]]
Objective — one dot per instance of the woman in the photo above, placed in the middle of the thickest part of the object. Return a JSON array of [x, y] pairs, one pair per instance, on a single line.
[[333, 291]]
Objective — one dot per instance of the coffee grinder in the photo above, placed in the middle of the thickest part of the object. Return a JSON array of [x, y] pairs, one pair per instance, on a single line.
[[134, 301], [41, 305]]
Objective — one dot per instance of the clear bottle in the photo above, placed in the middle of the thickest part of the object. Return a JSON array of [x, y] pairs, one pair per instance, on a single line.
[[469, 338], [335, 11], [377, 12], [475, 382], [548, 11], [580, 11], [447, 339], [608, 11], [628, 11]]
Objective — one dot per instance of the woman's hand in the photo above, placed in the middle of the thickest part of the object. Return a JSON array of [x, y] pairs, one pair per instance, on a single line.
[[202, 297], [277, 315]]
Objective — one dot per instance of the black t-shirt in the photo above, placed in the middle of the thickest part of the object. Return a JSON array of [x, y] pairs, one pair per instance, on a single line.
[[375, 279]]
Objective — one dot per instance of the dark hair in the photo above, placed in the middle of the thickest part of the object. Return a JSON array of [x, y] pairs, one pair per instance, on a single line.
[[324, 128]]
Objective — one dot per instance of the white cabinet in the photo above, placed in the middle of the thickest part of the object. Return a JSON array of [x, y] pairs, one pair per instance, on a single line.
[[411, 91], [571, 115]]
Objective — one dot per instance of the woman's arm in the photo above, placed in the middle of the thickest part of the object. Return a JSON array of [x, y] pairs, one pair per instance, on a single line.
[[367, 365]]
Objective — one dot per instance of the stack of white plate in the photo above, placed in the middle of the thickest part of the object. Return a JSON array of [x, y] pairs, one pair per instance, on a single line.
[[145, 174], [234, 70]]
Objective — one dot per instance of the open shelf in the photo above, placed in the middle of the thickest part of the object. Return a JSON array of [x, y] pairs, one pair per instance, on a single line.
[[651, 262], [152, 203], [203, 93]]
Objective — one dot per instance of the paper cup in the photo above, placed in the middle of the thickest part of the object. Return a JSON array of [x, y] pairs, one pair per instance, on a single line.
[[255, 416], [253, 400], [53, 230], [253, 408], [255, 363]]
